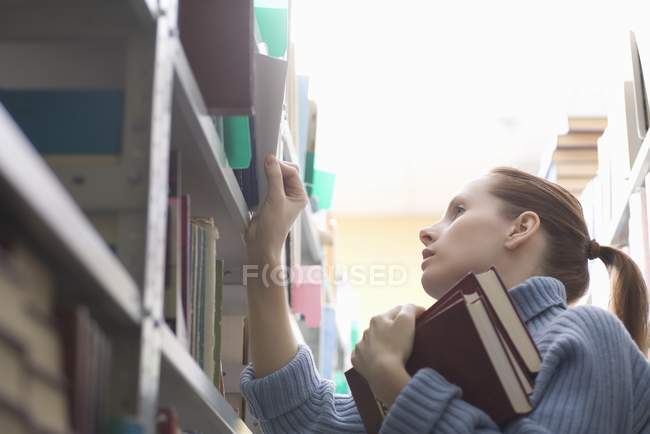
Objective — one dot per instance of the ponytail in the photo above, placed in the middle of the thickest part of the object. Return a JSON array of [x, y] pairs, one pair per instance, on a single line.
[[569, 247], [629, 295]]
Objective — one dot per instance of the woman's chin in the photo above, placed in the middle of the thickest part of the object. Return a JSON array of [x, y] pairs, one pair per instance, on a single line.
[[431, 287]]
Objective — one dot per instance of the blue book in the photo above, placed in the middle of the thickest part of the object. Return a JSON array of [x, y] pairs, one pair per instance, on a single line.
[[86, 122]]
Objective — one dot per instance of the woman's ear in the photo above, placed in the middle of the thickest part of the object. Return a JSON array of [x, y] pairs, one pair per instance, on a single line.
[[522, 229]]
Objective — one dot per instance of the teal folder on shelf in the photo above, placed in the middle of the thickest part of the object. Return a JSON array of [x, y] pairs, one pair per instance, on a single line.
[[323, 188], [68, 121], [272, 19], [237, 141], [318, 183]]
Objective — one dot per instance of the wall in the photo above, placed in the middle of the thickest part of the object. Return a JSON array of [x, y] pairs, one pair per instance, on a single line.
[[382, 242]]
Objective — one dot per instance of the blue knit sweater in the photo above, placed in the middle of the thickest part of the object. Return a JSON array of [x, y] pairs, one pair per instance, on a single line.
[[593, 380]]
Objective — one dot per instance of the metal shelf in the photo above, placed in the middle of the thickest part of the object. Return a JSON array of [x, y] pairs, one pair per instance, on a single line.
[[635, 180], [77, 19], [206, 176], [185, 387], [34, 194]]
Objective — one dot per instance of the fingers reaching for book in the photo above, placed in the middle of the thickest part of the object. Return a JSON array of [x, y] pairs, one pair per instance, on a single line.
[[286, 198], [292, 184]]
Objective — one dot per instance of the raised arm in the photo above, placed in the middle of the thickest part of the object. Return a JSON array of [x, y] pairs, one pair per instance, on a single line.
[[272, 341], [282, 385]]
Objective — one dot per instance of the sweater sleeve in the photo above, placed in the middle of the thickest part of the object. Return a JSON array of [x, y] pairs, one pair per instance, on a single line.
[[585, 386], [296, 399], [592, 380]]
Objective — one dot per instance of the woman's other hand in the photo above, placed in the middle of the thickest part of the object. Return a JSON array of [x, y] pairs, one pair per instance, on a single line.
[[386, 345]]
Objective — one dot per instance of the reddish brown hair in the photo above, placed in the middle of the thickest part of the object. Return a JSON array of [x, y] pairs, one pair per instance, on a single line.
[[567, 236]]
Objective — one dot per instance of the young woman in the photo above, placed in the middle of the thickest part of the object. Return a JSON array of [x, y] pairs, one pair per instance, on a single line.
[[595, 377]]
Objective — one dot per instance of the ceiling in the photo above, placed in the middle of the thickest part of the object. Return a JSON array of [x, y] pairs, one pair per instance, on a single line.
[[417, 97]]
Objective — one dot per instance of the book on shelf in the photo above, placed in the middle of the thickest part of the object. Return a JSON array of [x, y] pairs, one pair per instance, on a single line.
[[175, 272], [306, 293], [582, 169], [247, 180], [640, 92], [219, 42], [237, 402], [237, 137], [263, 128], [194, 285], [474, 337], [186, 266], [88, 366], [634, 140], [203, 292], [586, 124], [167, 421], [273, 27], [33, 393], [578, 140], [270, 80], [233, 351], [173, 302], [68, 122], [567, 154]]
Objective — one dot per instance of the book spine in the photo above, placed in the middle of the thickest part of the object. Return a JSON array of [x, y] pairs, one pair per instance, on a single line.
[[370, 410]]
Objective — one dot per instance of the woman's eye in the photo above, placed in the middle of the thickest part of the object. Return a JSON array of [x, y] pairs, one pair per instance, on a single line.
[[459, 209]]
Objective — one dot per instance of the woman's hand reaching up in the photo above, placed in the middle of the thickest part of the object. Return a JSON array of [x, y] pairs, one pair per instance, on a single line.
[[285, 199]]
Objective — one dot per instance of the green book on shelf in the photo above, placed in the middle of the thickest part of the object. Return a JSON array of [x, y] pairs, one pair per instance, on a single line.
[[323, 188], [205, 299], [237, 141]]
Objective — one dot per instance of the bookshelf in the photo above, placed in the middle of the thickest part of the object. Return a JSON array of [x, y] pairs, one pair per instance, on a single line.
[[635, 180], [184, 386], [615, 200], [193, 132], [132, 46], [58, 225]]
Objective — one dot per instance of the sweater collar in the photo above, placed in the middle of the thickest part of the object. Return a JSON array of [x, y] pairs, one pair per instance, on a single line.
[[536, 294]]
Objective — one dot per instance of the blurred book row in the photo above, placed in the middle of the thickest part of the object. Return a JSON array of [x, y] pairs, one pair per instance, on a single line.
[[85, 103]]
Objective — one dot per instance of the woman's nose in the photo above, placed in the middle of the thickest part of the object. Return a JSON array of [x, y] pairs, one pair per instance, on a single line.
[[426, 236]]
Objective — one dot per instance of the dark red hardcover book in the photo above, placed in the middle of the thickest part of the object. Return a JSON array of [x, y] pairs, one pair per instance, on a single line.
[[501, 308], [462, 338], [167, 421]]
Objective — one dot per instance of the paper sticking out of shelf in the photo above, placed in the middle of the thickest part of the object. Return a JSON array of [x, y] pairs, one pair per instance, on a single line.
[[270, 80]]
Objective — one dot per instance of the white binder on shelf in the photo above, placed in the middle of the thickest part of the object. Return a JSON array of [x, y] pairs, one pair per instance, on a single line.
[[640, 91], [270, 80]]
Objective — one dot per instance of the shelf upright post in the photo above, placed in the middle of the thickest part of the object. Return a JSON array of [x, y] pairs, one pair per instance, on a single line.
[[146, 151]]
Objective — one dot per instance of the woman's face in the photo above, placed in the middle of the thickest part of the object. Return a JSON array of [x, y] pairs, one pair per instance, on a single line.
[[469, 237]]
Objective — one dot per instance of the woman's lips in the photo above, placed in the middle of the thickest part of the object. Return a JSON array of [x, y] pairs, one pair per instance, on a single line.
[[423, 266]]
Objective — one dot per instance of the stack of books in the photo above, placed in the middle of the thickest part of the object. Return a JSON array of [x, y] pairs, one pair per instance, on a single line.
[[193, 278], [474, 337]]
